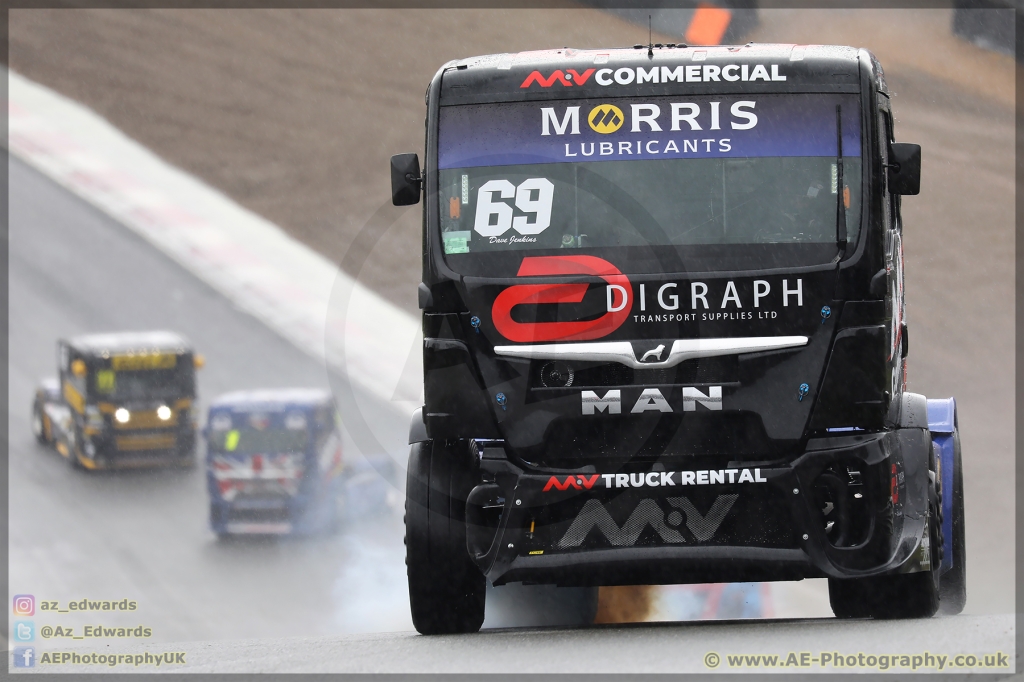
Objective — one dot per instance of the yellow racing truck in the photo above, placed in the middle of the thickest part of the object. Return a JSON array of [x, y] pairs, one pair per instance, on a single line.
[[121, 400]]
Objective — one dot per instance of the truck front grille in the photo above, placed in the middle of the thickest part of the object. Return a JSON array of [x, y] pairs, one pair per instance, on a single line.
[[720, 370], [148, 441]]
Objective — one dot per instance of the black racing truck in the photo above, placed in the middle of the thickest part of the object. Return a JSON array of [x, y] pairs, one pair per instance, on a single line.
[[121, 400], [664, 333]]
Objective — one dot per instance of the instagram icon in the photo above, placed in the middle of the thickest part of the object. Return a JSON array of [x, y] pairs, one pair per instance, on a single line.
[[24, 605]]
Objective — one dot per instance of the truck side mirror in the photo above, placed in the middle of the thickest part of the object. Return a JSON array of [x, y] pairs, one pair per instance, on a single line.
[[405, 179], [904, 168]]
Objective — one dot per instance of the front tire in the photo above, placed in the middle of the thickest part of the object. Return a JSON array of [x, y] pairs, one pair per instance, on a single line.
[[905, 595], [185, 452], [909, 595], [446, 590], [41, 428], [73, 461]]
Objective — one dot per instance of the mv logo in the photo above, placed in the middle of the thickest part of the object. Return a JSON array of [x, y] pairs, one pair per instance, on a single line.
[[566, 78], [572, 482], [606, 118], [648, 513]]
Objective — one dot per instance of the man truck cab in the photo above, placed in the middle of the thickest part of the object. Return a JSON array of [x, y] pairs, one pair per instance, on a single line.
[[664, 328], [273, 462], [121, 400]]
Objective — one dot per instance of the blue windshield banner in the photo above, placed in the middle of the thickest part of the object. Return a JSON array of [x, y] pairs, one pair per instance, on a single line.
[[621, 129]]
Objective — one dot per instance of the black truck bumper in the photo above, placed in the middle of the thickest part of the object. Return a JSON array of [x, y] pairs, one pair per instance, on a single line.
[[680, 521]]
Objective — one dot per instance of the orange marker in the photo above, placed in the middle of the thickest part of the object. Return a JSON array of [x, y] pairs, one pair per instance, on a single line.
[[708, 25]]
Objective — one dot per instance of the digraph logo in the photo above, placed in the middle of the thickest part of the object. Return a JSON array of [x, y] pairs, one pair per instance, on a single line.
[[605, 118], [617, 292]]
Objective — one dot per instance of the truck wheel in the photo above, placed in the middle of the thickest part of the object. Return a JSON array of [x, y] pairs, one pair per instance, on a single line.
[[906, 595], [217, 524], [910, 595], [953, 585], [185, 451], [40, 426], [73, 461], [446, 589], [67, 446]]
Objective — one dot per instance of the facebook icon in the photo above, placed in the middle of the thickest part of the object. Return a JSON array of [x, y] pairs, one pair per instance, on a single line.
[[24, 656]]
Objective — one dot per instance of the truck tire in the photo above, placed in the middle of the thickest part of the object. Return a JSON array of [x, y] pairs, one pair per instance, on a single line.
[[906, 595], [446, 590], [73, 460], [217, 525], [185, 451], [40, 428], [72, 441], [953, 585], [910, 595]]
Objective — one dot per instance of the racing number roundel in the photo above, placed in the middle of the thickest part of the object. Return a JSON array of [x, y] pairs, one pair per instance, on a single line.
[[605, 118], [618, 289]]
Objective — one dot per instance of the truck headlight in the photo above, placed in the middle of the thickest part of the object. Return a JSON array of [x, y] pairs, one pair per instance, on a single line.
[[163, 412], [122, 415]]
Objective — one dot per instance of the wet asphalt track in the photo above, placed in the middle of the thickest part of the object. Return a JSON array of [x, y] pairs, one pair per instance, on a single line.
[[143, 534]]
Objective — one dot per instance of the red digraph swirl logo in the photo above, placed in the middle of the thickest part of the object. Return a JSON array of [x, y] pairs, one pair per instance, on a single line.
[[618, 295]]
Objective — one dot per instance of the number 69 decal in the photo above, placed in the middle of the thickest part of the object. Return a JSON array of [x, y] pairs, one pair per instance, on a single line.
[[533, 196]]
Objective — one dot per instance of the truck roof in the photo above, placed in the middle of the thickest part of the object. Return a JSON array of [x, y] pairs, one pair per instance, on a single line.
[[615, 72], [272, 399], [130, 342]]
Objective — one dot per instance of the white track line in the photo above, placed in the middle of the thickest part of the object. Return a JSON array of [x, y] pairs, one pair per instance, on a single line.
[[248, 259]]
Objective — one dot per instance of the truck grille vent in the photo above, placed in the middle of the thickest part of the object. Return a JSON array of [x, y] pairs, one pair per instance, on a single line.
[[546, 374]]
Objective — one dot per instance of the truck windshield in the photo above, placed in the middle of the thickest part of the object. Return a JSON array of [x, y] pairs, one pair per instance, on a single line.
[[144, 384], [259, 441], [715, 181]]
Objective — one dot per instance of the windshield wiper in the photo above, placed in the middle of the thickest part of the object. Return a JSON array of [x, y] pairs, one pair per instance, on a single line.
[[840, 187]]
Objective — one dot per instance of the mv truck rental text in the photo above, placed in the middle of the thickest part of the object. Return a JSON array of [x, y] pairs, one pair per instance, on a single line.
[[664, 334]]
